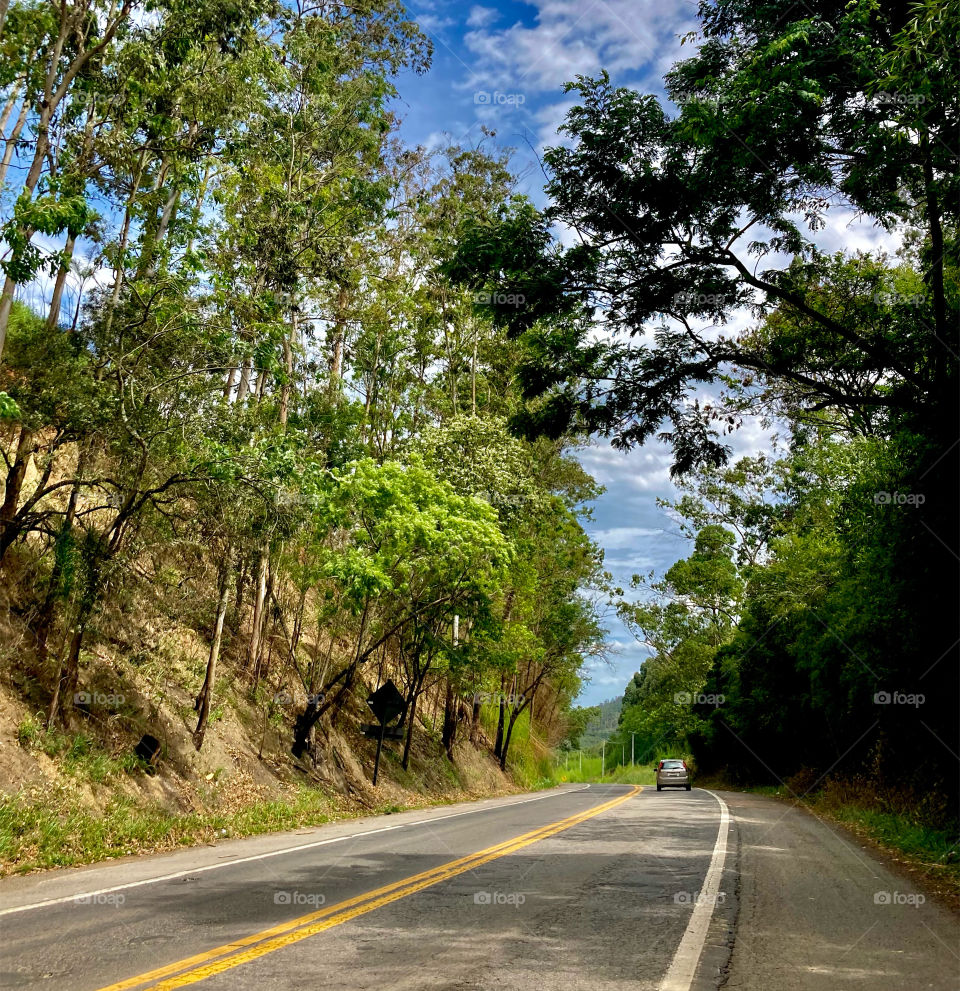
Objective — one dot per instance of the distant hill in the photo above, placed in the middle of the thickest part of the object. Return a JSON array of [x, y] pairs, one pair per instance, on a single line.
[[601, 729]]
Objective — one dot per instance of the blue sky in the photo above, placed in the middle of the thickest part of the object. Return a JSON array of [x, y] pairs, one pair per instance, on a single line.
[[503, 65]]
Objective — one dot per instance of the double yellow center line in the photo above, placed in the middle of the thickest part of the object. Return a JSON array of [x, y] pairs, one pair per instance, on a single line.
[[197, 968]]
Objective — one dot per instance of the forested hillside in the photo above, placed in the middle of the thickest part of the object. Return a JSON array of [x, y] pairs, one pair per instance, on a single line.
[[599, 722], [262, 458]]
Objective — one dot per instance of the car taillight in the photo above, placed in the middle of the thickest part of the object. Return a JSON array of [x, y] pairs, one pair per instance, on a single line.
[[684, 764]]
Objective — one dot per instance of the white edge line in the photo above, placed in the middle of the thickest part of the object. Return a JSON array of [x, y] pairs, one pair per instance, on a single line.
[[272, 853], [683, 967]]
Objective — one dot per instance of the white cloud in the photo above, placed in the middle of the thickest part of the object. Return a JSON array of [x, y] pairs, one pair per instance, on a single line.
[[433, 23], [616, 538], [481, 17], [626, 37], [848, 231]]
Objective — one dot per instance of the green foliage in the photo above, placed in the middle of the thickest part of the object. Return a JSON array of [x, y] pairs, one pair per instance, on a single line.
[[9, 410], [272, 413], [784, 661]]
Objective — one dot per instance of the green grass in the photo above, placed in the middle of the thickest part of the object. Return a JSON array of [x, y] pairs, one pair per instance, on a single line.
[[933, 847], [79, 755], [534, 766], [55, 829], [528, 760], [570, 769]]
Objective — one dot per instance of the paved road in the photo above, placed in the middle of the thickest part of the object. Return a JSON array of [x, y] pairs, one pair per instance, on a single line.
[[580, 888]]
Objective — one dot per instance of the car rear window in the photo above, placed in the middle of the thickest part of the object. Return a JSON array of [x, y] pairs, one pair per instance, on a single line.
[[672, 764]]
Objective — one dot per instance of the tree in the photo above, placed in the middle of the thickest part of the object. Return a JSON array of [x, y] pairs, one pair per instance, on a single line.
[[404, 547]]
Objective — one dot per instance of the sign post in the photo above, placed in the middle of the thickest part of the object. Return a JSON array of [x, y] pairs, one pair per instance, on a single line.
[[386, 703]]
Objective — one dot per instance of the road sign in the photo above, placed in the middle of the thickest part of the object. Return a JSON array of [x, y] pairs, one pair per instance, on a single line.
[[373, 731], [386, 702]]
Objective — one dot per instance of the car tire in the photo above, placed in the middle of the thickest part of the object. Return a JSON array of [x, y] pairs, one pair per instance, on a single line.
[[659, 788], [689, 787]]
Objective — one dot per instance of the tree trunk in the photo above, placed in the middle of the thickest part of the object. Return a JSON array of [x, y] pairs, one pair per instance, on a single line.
[[231, 380], [12, 140], [9, 530], [244, 387], [53, 317], [48, 611], [337, 342], [55, 90], [14, 94], [317, 705], [264, 610], [449, 721], [475, 719], [411, 716], [41, 145], [289, 342], [498, 746], [203, 699], [61, 705], [259, 595], [506, 741], [124, 240]]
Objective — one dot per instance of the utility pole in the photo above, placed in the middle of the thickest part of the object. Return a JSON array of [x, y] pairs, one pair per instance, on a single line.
[[632, 735], [580, 755], [603, 752]]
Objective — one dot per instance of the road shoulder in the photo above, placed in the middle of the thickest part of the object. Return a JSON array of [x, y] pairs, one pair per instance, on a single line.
[[810, 893]]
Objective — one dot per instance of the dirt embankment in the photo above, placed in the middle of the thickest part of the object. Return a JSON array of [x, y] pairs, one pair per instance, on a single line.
[[81, 795]]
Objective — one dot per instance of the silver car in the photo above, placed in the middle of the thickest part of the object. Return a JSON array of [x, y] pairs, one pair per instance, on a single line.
[[672, 774]]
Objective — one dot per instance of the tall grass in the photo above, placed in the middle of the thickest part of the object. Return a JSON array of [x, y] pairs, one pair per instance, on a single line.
[[574, 767]]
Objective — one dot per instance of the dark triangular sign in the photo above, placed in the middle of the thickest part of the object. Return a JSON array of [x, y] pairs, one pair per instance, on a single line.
[[386, 702]]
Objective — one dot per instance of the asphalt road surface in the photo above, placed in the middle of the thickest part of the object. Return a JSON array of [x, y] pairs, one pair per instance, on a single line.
[[593, 887]]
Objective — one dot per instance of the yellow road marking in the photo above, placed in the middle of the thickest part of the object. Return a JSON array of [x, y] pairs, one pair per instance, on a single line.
[[229, 955]]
